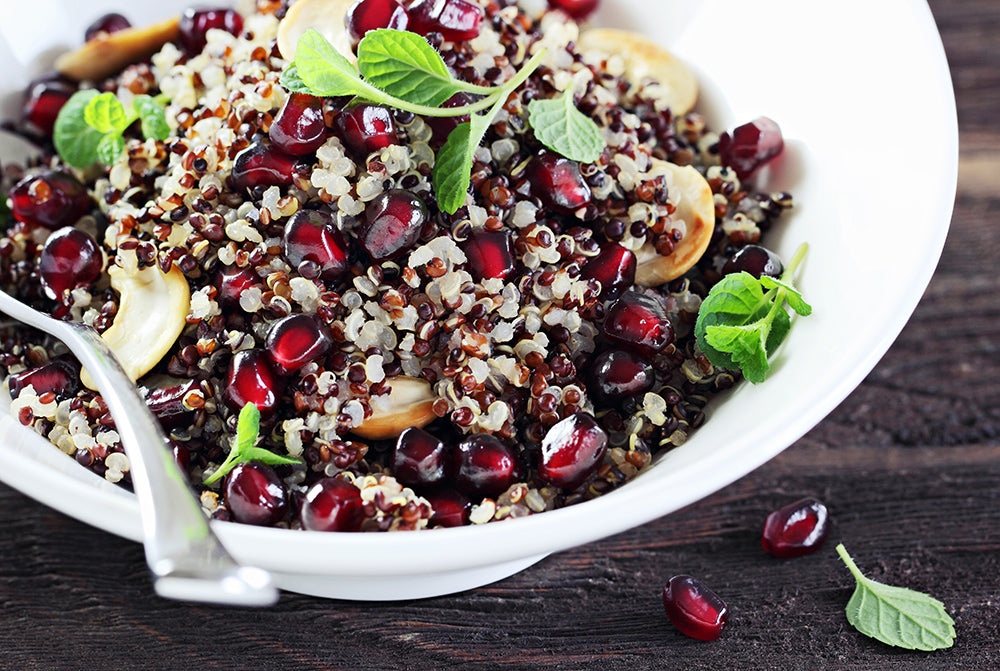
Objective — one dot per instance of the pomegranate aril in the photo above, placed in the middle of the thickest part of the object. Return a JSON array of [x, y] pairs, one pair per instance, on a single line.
[[750, 146], [613, 267], [449, 508], [42, 101], [393, 222], [694, 609], [420, 459], [484, 466], [232, 281], [311, 235], [107, 24], [166, 401], [252, 379], [797, 529], [51, 199], [295, 340], [365, 15], [366, 128], [60, 375], [182, 455], [456, 20], [557, 182], [572, 450], [195, 23], [299, 128], [262, 165], [490, 254], [638, 322], [70, 258], [578, 9], [618, 374], [255, 494], [332, 505], [756, 260]]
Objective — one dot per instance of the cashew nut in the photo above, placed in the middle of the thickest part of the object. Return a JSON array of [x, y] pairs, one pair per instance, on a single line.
[[696, 208], [644, 58], [326, 16], [410, 403], [108, 53], [151, 314]]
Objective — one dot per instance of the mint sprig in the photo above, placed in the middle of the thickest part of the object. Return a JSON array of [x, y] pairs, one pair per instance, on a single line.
[[243, 450], [743, 320], [91, 125], [897, 616], [561, 127]]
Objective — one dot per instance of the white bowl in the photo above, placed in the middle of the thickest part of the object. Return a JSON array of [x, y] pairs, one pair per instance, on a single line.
[[871, 158]]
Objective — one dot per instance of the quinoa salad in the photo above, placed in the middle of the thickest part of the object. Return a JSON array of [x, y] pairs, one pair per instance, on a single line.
[[263, 256]]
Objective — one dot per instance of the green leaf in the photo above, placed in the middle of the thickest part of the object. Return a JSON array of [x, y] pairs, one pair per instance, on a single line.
[[404, 65], [897, 616], [324, 69], [291, 80], [106, 114], [564, 129], [153, 118], [110, 148], [247, 427], [75, 139], [453, 164], [243, 450], [792, 295]]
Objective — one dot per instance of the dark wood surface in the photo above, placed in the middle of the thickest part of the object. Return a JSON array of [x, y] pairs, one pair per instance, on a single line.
[[909, 466]]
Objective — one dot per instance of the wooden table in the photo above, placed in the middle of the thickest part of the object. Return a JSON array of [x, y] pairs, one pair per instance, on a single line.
[[909, 466]]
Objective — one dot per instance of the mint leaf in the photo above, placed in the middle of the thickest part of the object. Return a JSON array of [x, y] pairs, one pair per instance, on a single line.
[[247, 427], [324, 69], [897, 616], [243, 450], [291, 80], [453, 166], [110, 148], [404, 65], [153, 118], [564, 129], [106, 114], [792, 295], [75, 139]]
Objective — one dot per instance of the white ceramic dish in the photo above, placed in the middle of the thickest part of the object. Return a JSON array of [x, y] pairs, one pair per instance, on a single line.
[[871, 158]]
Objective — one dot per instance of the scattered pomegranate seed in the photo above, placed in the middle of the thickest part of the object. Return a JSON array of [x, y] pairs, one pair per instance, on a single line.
[[166, 401], [70, 258], [638, 322], [490, 254], [60, 375], [51, 199], [456, 20], [299, 128], [393, 222], [195, 23], [578, 9], [295, 340], [756, 260], [449, 508], [484, 466], [613, 267], [750, 146], [557, 182], [231, 282], [694, 609], [251, 379], [262, 165], [42, 101], [797, 529], [182, 455], [420, 459], [365, 15], [107, 24], [311, 235], [618, 374], [572, 450], [333, 505], [255, 494], [366, 128]]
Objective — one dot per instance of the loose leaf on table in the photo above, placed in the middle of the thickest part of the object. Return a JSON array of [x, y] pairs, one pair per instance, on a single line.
[[561, 127], [243, 450], [75, 139], [897, 616], [153, 118], [404, 65], [324, 69]]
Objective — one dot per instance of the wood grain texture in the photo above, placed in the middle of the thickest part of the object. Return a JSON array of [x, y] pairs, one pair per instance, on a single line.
[[909, 465]]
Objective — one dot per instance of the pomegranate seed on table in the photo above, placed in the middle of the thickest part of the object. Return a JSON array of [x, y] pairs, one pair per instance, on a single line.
[[295, 340], [255, 494], [60, 375], [42, 101], [393, 222], [694, 609], [750, 146], [613, 267], [107, 24], [70, 258], [262, 165], [51, 199], [196, 22], [617, 374], [456, 20], [557, 182], [484, 466], [252, 379], [638, 322], [299, 128], [420, 459], [489, 254], [798, 529], [366, 128], [311, 235], [572, 450], [166, 402], [756, 260], [333, 505], [365, 15], [449, 508], [232, 281], [578, 9]]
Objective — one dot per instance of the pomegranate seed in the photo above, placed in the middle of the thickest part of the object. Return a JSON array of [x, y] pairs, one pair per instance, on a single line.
[[755, 260], [182, 455], [613, 267], [365, 15], [195, 23], [420, 459], [69, 259], [299, 128], [456, 20], [490, 254], [366, 128], [166, 401], [60, 375], [295, 340], [557, 182], [638, 322], [618, 374], [578, 9], [441, 126], [255, 494], [484, 466], [393, 222], [232, 281], [311, 235], [449, 508], [333, 505], [750, 146], [694, 609], [251, 379], [262, 165], [797, 529], [42, 101], [572, 450], [107, 24], [51, 199]]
